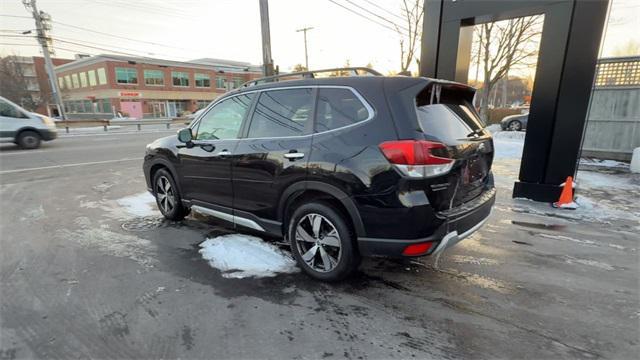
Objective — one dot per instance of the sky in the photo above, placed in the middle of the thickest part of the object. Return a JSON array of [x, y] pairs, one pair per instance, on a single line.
[[228, 29], [189, 29]]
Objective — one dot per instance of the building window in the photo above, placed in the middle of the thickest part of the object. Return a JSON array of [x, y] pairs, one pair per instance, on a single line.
[[237, 82], [92, 77], [200, 104], [202, 80], [61, 82], [180, 78], [67, 81], [102, 76], [75, 81], [220, 82], [154, 77], [126, 76], [83, 79]]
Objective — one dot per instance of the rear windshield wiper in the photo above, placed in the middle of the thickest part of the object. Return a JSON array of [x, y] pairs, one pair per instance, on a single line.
[[476, 132]]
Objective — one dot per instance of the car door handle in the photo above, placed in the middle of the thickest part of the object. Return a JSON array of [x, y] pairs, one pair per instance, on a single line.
[[224, 153], [294, 155]]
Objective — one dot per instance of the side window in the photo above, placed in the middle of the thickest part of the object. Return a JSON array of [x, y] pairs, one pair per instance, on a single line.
[[282, 113], [224, 120], [7, 110], [338, 108]]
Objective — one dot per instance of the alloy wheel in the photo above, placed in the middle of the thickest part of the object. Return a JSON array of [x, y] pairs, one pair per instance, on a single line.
[[165, 194], [318, 242]]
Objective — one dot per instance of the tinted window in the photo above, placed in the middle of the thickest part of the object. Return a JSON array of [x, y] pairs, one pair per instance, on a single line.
[[282, 113], [448, 121], [338, 108], [224, 120]]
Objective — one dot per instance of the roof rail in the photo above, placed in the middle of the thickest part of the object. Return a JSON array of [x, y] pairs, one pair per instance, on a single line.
[[311, 74]]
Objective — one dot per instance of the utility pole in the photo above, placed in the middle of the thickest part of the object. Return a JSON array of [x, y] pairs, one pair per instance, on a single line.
[[306, 56], [42, 25], [267, 61]]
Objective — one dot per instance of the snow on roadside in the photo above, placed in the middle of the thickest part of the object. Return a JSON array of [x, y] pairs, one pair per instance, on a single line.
[[602, 195], [239, 256], [143, 204]]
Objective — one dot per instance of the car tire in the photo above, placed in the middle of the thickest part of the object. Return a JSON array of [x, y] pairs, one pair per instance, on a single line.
[[322, 242], [29, 140], [168, 196], [514, 125]]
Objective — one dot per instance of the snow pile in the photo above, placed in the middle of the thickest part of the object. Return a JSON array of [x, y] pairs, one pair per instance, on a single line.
[[143, 204], [604, 163], [239, 256], [508, 144]]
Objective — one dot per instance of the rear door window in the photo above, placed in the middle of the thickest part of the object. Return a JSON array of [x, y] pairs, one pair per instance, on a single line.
[[337, 108], [281, 113]]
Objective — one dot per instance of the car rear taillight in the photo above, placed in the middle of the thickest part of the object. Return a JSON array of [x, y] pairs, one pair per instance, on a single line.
[[415, 157]]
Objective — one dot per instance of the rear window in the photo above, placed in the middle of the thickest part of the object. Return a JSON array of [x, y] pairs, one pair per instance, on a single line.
[[338, 108], [446, 113]]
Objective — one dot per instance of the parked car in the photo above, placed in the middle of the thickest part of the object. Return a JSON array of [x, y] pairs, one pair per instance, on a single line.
[[24, 128], [341, 167], [514, 122]]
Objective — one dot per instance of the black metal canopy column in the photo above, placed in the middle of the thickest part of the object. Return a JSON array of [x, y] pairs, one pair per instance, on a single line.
[[566, 65]]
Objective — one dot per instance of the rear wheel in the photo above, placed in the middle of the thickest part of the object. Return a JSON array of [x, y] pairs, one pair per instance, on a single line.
[[515, 125], [168, 197], [322, 242], [29, 140]]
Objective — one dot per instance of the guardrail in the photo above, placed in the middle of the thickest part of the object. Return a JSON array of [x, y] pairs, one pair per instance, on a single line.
[[106, 123]]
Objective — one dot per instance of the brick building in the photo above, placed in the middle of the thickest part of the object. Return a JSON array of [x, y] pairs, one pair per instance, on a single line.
[[37, 81], [102, 86]]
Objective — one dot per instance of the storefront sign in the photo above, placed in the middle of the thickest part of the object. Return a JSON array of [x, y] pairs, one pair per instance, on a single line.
[[130, 94]]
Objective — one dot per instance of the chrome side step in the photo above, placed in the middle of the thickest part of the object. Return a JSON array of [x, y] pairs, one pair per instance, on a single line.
[[238, 220]]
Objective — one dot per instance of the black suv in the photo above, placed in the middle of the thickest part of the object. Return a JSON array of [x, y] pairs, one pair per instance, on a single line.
[[342, 167]]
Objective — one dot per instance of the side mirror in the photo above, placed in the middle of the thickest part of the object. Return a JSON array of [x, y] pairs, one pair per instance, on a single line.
[[185, 135]]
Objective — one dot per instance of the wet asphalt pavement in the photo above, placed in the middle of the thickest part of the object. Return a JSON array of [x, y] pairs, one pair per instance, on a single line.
[[81, 278]]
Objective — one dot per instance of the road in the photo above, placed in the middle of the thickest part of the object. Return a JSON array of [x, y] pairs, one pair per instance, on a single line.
[[79, 278]]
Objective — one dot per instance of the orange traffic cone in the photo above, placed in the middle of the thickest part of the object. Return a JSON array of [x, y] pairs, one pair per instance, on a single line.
[[566, 196]]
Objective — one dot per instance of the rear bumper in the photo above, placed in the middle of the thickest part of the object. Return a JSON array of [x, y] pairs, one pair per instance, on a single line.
[[457, 228]]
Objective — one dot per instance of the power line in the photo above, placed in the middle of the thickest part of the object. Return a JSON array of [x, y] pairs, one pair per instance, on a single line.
[[118, 37], [385, 10], [378, 16], [17, 16], [366, 17]]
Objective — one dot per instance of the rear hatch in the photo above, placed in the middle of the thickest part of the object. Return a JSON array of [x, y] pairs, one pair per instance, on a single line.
[[444, 114]]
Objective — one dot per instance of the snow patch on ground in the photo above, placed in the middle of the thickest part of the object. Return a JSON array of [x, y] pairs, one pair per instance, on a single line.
[[593, 263], [143, 204], [598, 180], [567, 238], [604, 163], [239, 256], [132, 247], [508, 144]]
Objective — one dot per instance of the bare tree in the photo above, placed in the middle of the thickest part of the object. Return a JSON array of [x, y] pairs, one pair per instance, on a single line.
[[412, 12], [504, 46], [13, 84]]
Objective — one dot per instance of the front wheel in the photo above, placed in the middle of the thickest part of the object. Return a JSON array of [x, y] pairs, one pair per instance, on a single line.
[[29, 140], [322, 243], [168, 197]]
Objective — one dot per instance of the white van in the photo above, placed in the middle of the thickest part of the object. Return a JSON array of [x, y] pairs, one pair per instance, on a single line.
[[24, 128]]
